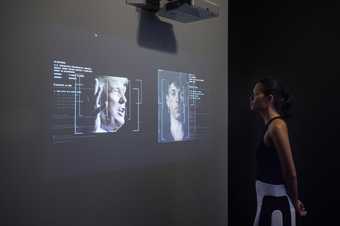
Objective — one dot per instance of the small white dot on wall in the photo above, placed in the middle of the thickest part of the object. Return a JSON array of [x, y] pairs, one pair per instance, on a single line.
[[96, 35]]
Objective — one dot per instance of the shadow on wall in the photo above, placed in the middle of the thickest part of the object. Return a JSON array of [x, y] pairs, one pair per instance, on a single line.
[[155, 34]]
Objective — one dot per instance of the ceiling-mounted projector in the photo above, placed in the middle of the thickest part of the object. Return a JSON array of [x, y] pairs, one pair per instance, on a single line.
[[148, 5], [184, 11]]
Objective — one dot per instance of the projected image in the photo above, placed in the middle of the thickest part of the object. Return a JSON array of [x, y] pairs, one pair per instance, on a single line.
[[110, 103], [88, 103], [178, 100]]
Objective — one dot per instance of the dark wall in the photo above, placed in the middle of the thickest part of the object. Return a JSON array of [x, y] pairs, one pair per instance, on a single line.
[[299, 45], [119, 180]]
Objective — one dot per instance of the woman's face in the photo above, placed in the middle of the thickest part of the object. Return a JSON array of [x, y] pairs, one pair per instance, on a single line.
[[258, 100]]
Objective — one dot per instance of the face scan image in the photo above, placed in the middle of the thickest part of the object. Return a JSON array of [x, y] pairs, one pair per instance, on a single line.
[[110, 103], [174, 102], [172, 120]]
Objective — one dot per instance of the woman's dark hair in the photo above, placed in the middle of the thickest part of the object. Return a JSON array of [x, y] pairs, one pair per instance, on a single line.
[[282, 99]]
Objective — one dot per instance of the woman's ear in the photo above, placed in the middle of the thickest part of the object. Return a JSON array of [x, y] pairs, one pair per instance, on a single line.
[[271, 98]]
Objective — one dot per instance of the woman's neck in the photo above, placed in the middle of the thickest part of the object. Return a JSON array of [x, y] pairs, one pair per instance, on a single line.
[[269, 114]]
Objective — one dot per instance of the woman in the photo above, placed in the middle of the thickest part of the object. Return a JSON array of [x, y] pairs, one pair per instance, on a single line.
[[276, 178]]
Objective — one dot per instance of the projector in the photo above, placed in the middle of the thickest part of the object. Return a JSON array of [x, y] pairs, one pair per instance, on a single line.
[[189, 11], [184, 11], [148, 5]]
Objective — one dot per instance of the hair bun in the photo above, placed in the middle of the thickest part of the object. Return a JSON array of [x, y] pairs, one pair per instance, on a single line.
[[283, 101]]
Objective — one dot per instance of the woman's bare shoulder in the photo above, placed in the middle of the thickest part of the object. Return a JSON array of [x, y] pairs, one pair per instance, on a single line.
[[278, 125]]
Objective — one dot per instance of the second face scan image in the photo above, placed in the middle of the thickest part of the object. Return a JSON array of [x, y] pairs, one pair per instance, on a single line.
[[173, 109]]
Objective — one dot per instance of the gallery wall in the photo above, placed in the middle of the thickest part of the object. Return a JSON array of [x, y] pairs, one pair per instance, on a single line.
[[123, 178]]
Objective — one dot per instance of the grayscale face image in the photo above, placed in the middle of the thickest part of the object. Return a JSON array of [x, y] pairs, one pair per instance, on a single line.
[[172, 106], [175, 101], [111, 102]]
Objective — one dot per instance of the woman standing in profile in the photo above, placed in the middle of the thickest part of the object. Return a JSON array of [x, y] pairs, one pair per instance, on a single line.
[[276, 177]]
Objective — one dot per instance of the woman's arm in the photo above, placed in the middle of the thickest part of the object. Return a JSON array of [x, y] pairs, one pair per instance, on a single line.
[[279, 136]]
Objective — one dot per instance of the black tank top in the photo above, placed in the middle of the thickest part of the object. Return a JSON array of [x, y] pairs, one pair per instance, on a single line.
[[268, 168]]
